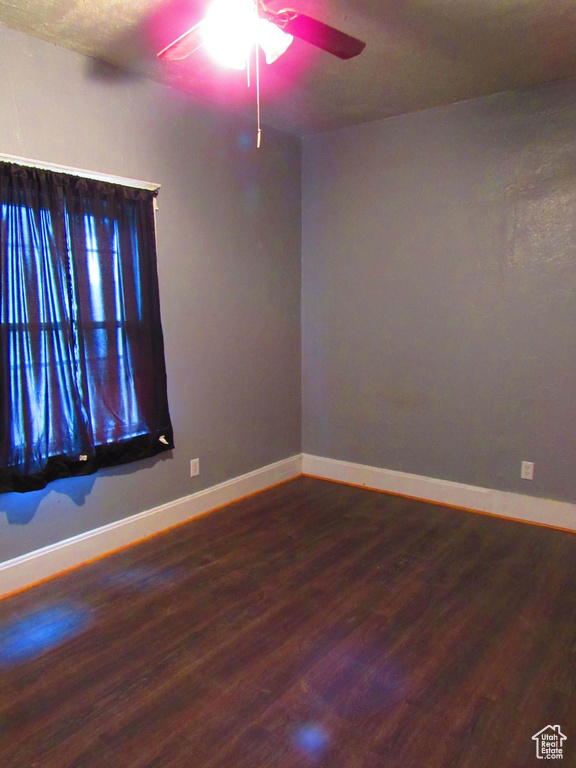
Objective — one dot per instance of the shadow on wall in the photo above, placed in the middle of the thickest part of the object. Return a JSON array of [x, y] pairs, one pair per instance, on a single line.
[[20, 508]]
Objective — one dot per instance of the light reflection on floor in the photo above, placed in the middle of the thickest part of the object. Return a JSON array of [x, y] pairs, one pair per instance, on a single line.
[[31, 635], [312, 739], [142, 578]]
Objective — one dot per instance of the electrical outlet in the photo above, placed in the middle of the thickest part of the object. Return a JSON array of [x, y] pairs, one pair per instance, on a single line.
[[194, 467], [527, 470]]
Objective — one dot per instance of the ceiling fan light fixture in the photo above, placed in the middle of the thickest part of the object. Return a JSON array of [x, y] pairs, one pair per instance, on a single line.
[[273, 41]]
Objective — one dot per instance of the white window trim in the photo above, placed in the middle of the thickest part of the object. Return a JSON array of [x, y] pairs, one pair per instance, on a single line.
[[126, 182]]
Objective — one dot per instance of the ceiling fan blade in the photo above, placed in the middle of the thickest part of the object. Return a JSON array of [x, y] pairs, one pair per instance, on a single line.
[[319, 34], [184, 45]]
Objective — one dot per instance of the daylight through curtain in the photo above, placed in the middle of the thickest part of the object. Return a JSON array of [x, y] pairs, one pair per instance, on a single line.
[[82, 373]]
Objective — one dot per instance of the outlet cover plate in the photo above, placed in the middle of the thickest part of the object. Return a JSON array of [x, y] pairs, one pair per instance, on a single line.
[[527, 470]]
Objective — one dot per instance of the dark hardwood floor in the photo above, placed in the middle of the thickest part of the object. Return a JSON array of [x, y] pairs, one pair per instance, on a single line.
[[312, 625]]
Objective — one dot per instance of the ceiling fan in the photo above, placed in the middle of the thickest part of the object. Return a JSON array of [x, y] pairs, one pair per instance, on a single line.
[[232, 30]]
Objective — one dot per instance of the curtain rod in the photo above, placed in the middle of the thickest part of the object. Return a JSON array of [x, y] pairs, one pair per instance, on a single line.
[[80, 172]]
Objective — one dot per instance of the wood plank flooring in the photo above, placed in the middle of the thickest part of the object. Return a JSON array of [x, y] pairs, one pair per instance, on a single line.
[[311, 625]]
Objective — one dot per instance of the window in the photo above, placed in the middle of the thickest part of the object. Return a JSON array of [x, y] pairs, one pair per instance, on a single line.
[[82, 372]]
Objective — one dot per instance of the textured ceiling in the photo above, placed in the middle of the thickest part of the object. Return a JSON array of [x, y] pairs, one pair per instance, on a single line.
[[419, 53]]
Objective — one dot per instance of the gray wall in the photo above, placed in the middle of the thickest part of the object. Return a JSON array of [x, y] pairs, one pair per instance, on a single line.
[[229, 269], [439, 292]]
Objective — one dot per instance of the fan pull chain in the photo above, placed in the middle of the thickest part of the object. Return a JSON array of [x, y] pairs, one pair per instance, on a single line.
[[248, 70], [259, 134], [258, 140]]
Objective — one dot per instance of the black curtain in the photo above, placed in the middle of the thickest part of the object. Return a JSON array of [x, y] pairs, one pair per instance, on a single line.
[[82, 371]]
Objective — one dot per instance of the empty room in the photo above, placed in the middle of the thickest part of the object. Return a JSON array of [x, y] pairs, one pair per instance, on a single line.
[[287, 384]]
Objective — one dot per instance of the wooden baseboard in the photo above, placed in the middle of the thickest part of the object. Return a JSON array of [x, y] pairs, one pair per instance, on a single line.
[[516, 506], [33, 567]]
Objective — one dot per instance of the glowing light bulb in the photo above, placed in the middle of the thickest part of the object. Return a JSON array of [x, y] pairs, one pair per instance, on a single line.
[[232, 28], [229, 30]]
